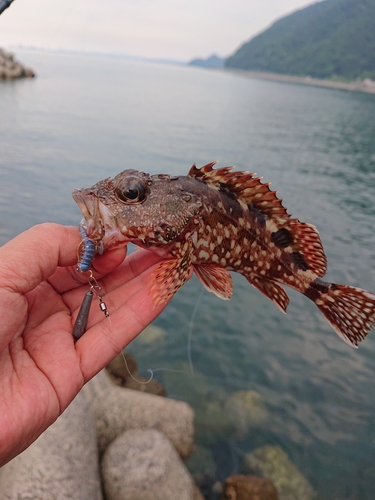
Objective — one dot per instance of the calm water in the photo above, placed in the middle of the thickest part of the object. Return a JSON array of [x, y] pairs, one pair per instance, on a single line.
[[85, 118]]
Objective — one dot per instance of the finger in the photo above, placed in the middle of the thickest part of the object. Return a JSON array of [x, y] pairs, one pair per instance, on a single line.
[[43, 302], [106, 338], [104, 264], [35, 254], [135, 264], [24, 263], [66, 278], [48, 251]]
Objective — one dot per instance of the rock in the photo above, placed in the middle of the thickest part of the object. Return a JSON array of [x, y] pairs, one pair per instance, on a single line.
[[235, 414], [273, 463], [213, 418], [10, 68], [201, 461], [246, 410], [61, 464], [120, 370], [151, 335], [197, 494], [117, 410], [142, 464], [146, 385], [124, 373], [210, 486], [249, 488]]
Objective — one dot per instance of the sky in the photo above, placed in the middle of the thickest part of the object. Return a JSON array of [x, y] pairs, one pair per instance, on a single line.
[[163, 29]]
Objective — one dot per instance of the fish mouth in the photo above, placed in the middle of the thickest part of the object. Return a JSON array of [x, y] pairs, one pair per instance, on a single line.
[[99, 222], [89, 206]]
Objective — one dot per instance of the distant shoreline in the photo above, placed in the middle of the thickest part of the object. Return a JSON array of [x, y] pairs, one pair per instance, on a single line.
[[366, 85]]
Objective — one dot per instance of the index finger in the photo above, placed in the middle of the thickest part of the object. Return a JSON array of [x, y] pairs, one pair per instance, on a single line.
[[33, 256]]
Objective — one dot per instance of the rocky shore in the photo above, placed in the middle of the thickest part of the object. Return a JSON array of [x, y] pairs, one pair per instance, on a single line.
[[365, 85], [10, 68], [117, 443]]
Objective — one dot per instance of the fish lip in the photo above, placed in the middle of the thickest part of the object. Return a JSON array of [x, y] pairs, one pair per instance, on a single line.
[[88, 203], [81, 202]]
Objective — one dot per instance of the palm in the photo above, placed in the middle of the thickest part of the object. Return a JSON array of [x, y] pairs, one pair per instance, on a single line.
[[41, 369]]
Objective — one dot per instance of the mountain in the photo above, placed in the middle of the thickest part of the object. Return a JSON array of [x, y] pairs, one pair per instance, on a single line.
[[332, 38], [213, 61]]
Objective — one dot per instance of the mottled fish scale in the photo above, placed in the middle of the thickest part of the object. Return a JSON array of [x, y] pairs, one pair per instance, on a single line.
[[213, 221]]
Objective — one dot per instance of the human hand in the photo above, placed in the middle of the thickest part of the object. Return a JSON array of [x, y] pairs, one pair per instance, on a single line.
[[41, 369]]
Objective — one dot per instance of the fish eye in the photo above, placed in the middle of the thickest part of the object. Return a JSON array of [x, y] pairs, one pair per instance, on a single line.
[[131, 191]]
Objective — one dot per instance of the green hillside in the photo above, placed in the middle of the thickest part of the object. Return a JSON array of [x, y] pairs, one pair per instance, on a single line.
[[333, 38]]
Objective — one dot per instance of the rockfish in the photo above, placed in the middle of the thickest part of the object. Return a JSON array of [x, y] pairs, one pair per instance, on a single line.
[[214, 221]]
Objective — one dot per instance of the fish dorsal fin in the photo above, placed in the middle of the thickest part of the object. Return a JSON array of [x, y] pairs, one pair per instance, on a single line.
[[303, 241], [242, 185]]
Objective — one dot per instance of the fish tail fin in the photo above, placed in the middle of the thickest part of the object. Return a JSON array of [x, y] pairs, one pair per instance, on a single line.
[[349, 310]]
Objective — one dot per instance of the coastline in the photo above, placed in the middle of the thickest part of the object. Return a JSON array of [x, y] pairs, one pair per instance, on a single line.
[[367, 85]]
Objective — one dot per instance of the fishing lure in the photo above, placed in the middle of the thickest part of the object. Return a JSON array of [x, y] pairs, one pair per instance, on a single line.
[[86, 251]]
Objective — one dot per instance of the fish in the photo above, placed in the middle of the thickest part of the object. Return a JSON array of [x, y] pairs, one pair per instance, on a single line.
[[213, 221]]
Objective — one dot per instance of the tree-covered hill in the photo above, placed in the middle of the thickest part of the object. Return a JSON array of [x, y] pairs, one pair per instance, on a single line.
[[332, 38]]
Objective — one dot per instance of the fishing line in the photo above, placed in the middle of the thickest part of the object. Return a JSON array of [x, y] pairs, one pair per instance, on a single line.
[[189, 357], [132, 376], [85, 254], [190, 331], [151, 371], [122, 351]]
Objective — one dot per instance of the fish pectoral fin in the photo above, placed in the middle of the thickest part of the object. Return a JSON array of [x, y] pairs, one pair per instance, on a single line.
[[169, 276], [272, 290], [215, 279]]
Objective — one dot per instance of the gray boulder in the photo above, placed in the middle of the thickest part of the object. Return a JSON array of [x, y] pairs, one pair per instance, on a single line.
[[142, 464], [117, 410], [61, 464]]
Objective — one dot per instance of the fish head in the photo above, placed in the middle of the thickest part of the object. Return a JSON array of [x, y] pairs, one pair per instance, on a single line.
[[137, 207]]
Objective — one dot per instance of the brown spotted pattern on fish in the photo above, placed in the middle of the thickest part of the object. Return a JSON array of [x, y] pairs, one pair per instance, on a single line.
[[213, 221]]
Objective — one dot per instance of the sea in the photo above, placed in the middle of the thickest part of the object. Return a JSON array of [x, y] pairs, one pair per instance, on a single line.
[[87, 117]]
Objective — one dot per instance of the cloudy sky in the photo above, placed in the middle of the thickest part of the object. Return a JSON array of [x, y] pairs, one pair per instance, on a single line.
[[174, 29]]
